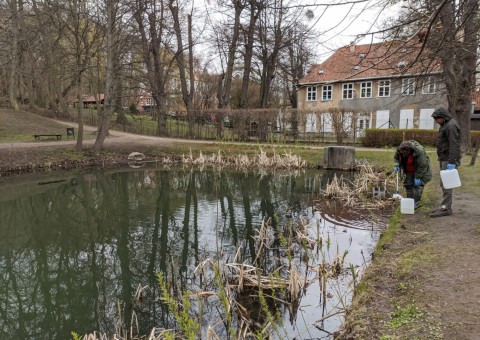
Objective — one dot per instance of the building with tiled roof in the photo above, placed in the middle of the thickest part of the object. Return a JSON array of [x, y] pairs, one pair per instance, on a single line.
[[475, 113], [389, 84]]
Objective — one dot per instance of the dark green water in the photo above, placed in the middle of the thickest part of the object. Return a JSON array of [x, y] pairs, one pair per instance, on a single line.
[[74, 250]]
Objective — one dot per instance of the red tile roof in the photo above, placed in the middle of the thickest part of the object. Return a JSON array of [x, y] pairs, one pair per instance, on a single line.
[[90, 98], [379, 60]]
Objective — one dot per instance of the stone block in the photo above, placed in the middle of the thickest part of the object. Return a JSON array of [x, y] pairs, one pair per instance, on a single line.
[[339, 158]]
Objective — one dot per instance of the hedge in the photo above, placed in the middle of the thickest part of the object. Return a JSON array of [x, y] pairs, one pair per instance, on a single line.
[[378, 138]]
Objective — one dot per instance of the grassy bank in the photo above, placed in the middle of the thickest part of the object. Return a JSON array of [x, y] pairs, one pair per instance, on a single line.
[[397, 298]]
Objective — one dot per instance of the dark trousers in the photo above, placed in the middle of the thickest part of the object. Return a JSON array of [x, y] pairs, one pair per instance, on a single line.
[[413, 191], [447, 193]]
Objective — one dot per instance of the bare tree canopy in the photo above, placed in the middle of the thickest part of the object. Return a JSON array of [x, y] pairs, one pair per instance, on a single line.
[[177, 54], [449, 29]]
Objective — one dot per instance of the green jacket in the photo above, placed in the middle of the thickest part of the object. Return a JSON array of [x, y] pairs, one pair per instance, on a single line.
[[422, 167]]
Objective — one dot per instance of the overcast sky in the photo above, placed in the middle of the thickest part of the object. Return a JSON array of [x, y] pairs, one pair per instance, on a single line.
[[341, 24], [338, 22]]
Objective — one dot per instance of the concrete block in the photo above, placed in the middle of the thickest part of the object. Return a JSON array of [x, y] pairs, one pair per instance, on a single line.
[[339, 157]]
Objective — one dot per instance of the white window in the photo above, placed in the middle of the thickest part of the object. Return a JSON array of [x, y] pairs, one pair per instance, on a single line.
[[311, 122], [327, 92], [406, 119], [366, 89], [384, 88], [327, 125], [383, 119], [149, 102], [408, 87], [364, 121], [311, 93], [347, 91], [428, 86], [426, 120]]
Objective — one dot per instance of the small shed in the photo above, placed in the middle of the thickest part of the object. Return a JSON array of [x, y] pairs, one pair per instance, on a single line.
[[90, 101]]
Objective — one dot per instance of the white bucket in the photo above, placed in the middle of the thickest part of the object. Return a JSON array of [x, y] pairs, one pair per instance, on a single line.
[[450, 178], [407, 206]]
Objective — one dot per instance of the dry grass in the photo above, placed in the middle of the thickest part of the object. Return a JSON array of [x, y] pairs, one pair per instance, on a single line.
[[245, 162], [355, 194]]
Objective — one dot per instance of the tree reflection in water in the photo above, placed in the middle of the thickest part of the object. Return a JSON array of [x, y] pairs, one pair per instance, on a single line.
[[71, 250]]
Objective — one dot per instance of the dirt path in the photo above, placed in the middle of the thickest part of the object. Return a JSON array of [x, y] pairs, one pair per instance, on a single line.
[[454, 284], [448, 279], [114, 138]]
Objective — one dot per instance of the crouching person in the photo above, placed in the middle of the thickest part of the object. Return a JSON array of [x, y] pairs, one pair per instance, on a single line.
[[413, 160]]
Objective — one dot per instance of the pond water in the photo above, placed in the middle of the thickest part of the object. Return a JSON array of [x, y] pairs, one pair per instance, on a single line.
[[81, 252]]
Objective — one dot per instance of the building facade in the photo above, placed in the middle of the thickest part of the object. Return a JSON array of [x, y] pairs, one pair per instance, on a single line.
[[383, 85]]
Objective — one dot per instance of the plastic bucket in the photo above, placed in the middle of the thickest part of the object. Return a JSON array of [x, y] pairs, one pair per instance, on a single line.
[[450, 179], [407, 206]]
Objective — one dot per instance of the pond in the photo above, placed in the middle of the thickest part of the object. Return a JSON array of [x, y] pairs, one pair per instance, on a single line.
[[81, 252]]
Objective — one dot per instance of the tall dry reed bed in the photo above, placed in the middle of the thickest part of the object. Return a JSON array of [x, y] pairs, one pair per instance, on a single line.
[[261, 160]]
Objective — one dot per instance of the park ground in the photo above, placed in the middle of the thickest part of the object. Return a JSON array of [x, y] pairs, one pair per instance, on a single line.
[[424, 278]]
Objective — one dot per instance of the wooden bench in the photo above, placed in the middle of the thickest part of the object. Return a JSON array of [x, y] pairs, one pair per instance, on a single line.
[[48, 136]]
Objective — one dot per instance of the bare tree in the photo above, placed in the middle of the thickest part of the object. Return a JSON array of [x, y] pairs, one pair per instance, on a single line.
[[14, 7], [81, 37], [457, 42], [225, 82], [275, 29], [52, 58], [343, 122], [188, 90], [449, 30], [295, 59], [255, 7], [152, 26], [111, 95], [205, 91]]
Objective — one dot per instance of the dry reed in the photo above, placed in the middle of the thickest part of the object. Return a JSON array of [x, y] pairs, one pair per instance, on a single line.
[[355, 194], [259, 161]]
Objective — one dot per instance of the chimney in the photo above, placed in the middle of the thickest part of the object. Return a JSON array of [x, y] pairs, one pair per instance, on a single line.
[[352, 47]]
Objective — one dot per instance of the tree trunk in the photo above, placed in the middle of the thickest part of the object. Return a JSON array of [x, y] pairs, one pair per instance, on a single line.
[[270, 55], [255, 10], [79, 144], [459, 38], [224, 101], [475, 153], [187, 94], [156, 67], [14, 56], [109, 101]]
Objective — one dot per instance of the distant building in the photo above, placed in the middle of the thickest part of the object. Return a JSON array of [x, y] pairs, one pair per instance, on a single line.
[[146, 104], [388, 84], [90, 101], [475, 113]]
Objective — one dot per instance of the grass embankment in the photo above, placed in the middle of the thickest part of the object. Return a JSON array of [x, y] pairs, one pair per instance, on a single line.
[[22, 125]]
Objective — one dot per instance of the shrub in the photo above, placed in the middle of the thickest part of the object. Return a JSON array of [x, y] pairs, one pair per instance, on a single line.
[[393, 137]]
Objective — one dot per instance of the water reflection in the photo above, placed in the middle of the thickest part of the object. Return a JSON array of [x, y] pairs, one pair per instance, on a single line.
[[71, 248]]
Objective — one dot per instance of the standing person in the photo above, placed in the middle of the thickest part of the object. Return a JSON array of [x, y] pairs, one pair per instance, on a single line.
[[449, 155], [412, 158]]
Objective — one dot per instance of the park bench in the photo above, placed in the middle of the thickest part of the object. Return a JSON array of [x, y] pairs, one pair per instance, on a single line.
[[47, 136]]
